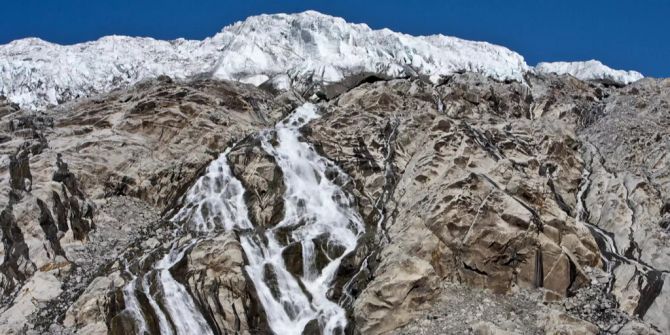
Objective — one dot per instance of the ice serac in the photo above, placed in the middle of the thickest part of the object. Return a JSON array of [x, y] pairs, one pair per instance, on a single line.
[[589, 70], [281, 49], [327, 49], [284, 49]]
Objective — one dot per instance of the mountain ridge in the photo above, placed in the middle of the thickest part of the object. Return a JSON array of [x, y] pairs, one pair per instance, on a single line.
[[282, 50]]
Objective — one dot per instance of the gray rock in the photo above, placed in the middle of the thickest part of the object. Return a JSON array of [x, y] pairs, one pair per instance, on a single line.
[[473, 193]]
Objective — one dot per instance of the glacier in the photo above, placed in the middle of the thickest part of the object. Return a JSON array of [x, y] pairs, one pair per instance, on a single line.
[[281, 50], [589, 70]]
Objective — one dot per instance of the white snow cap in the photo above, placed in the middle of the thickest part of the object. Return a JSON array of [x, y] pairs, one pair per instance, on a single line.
[[278, 49], [589, 70]]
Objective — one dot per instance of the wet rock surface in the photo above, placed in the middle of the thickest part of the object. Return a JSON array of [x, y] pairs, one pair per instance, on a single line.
[[215, 276], [488, 206], [91, 179]]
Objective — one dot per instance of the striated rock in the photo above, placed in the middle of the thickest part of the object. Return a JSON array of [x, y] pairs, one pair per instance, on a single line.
[[480, 194], [71, 219], [395, 296], [628, 189], [88, 312], [544, 204], [215, 276]]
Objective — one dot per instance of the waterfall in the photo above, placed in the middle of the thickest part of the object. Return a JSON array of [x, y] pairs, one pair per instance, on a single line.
[[318, 215], [314, 207], [170, 302]]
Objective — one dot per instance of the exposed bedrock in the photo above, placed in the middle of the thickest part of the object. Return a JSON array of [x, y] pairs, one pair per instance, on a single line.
[[211, 272], [629, 195], [554, 192], [484, 179], [85, 182]]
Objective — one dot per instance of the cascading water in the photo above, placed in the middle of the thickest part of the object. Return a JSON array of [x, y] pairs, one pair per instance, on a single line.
[[133, 306], [213, 202], [315, 208], [171, 305], [318, 215]]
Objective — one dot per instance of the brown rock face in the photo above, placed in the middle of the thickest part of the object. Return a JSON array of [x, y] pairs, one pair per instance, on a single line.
[[555, 186], [216, 278], [87, 179], [462, 181]]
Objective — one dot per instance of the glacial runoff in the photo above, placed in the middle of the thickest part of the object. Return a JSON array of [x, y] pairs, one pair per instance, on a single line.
[[315, 208]]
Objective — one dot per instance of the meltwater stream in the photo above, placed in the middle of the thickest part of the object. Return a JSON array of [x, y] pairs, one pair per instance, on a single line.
[[314, 208], [317, 214]]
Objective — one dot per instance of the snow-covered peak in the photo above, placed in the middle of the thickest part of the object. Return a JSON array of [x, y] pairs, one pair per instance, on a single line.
[[328, 48], [589, 70], [35, 73], [281, 49]]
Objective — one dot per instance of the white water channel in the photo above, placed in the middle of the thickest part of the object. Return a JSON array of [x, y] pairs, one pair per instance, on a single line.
[[315, 209]]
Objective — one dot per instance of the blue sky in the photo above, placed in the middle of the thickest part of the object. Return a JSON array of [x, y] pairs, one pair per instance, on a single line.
[[622, 34]]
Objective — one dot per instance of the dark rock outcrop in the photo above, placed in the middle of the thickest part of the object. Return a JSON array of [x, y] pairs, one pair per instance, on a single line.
[[19, 172], [16, 265]]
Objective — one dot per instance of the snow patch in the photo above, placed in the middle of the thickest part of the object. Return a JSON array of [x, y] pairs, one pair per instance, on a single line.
[[589, 70]]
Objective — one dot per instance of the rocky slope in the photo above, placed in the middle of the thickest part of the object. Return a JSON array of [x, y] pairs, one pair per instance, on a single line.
[[89, 181], [297, 174], [484, 183], [551, 193]]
